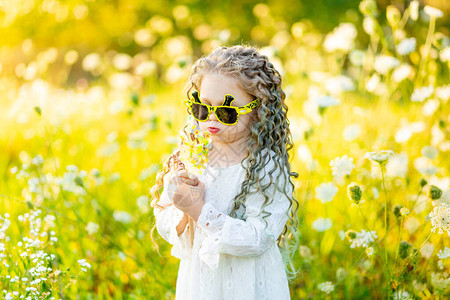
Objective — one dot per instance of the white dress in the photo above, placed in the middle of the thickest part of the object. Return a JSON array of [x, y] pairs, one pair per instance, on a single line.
[[230, 258]]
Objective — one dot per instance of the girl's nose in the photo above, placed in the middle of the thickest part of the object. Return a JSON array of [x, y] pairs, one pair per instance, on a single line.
[[212, 116]]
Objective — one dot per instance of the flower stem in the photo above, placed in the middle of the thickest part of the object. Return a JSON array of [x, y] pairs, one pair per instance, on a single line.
[[398, 241], [376, 242], [385, 214], [411, 257], [427, 48]]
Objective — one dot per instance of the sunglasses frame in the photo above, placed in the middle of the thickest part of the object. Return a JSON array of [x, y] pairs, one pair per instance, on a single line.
[[240, 110]]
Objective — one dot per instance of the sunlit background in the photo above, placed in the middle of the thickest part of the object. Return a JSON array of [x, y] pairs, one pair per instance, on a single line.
[[90, 108]]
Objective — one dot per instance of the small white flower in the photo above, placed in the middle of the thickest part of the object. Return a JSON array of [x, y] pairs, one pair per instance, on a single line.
[[357, 57], [342, 38], [322, 224], [430, 152], [379, 157], [326, 101], [444, 253], [122, 216], [421, 94], [384, 63], [443, 92], [424, 166], [342, 166], [402, 72], [92, 227], [84, 263], [444, 55], [351, 132], [404, 211], [414, 10], [325, 192], [326, 287], [440, 219], [397, 166], [427, 250], [363, 238], [401, 295], [369, 251], [433, 12], [143, 203], [339, 84], [406, 46]]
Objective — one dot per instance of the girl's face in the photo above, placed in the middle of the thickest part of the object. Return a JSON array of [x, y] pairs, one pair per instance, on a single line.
[[213, 89]]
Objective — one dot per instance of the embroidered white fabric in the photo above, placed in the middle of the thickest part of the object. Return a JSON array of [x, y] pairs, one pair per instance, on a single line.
[[230, 258]]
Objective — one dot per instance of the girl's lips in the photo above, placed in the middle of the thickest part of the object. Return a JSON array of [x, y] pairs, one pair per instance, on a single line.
[[213, 129]]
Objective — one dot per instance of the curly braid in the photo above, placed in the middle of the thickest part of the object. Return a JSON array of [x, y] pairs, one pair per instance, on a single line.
[[269, 131]]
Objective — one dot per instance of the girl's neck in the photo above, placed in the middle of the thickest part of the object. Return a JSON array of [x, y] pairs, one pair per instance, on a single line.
[[227, 154]]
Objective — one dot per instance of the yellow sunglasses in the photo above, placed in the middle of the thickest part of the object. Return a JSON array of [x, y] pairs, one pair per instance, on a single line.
[[226, 114]]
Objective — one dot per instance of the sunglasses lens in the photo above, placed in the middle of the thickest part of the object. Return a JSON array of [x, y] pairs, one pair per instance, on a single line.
[[200, 111], [227, 115]]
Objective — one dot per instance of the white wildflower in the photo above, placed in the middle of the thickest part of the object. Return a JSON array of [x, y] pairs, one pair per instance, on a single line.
[[404, 211], [351, 132], [369, 251], [342, 38], [339, 84], [444, 55], [326, 101], [384, 63], [406, 46], [326, 287], [430, 152], [369, 25], [325, 192], [414, 10], [423, 93], [322, 224], [84, 263], [443, 92], [122, 216], [92, 227], [444, 253], [397, 166], [357, 57], [402, 72], [363, 238], [424, 166], [402, 295], [143, 203], [430, 106], [373, 83], [379, 157], [342, 166], [433, 12], [440, 281], [440, 219]]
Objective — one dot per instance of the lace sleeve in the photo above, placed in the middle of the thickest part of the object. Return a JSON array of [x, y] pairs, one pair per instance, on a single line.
[[167, 220], [244, 238]]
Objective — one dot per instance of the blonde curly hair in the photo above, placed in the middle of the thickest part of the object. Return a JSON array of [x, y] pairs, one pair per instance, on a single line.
[[269, 131]]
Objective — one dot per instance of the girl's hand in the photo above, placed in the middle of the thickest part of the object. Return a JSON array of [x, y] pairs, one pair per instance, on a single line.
[[187, 194]]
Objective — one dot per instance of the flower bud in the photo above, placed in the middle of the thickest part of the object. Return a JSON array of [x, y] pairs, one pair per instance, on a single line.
[[396, 209], [354, 192], [423, 182], [434, 192], [350, 234], [414, 9], [368, 7], [393, 15], [403, 249]]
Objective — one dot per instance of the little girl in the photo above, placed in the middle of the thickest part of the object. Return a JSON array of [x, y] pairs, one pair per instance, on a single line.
[[241, 203]]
